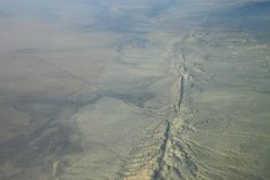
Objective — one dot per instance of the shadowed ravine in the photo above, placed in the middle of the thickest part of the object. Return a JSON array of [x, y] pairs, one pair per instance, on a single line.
[[161, 165]]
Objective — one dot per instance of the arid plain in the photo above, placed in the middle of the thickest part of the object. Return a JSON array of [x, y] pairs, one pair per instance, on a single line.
[[134, 90]]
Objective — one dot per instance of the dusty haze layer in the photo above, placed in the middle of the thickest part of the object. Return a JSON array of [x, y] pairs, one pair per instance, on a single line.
[[134, 90]]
